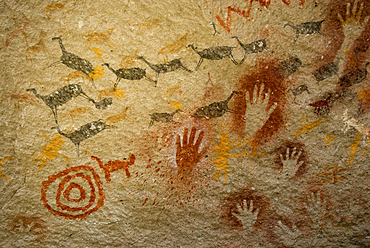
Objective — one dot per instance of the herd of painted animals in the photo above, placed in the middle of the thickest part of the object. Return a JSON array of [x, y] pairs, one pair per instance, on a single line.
[[188, 152]]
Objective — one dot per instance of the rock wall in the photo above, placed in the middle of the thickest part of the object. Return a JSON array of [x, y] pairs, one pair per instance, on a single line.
[[198, 123]]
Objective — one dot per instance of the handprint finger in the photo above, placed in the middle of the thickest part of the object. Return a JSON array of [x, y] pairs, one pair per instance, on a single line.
[[251, 206], [272, 108], [311, 202], [366, 19], [324, 206], [283, 227], [340, 19], [300, 163], [318, 199], [267, 96], [247, 99], [192, 136], [185, 137], [199, 140], [204, 150], [281, 157], [255, 94], [354, 9], [239, 208], [306, 205], [299, 154], [256, 212], [287, 154], [348, 11], [260, 97], [244, 204], [235, 215], [359, 13], [178, 144], [294, 152]]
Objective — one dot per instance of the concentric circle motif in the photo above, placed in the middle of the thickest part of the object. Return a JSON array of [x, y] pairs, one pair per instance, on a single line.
[[73, 193]]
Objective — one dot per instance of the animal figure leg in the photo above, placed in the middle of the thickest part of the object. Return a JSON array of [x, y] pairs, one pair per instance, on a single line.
[[231, 111], [156, 79], [150, 80], [87, 97], [296, 36], [199, 63], [115, 85], [151, 123], [99, 161], [104, 167], [232, 59], [241, 62], [127, 172], [93, 82], [55, 113], [184, 68]]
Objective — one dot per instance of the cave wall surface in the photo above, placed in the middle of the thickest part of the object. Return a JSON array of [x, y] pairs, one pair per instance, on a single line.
[[200, 123]]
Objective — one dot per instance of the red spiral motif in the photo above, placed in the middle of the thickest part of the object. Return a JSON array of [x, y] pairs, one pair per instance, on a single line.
[[88, 193]]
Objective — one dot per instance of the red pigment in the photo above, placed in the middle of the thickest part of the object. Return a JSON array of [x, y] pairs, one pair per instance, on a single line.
[[243, 13], [333, 29], [146, 199], [229, 205], [268, 74], [299, 148]]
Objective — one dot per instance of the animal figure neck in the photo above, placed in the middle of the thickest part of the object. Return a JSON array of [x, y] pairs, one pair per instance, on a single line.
[[240, 43], [60, 44], [195, 50], [147, 62], [110, 68], [36, 94]]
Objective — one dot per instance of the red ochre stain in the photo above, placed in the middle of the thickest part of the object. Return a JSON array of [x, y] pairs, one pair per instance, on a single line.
[[243, 12], [333, 30], [299, 148], [230, 203], [146, 199], [267, 72]]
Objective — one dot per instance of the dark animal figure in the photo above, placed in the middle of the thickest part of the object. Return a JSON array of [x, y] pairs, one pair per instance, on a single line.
[[299, 90], [164, 68], [306, 28], [214, 53], [216, 109], [112, 166], [103, 104], [322, 106], [129, 74], [254, 47], [288, 66], [73, 61], [326, 71], [65, 94], [353, 77], [84, 132], [163, 117]]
